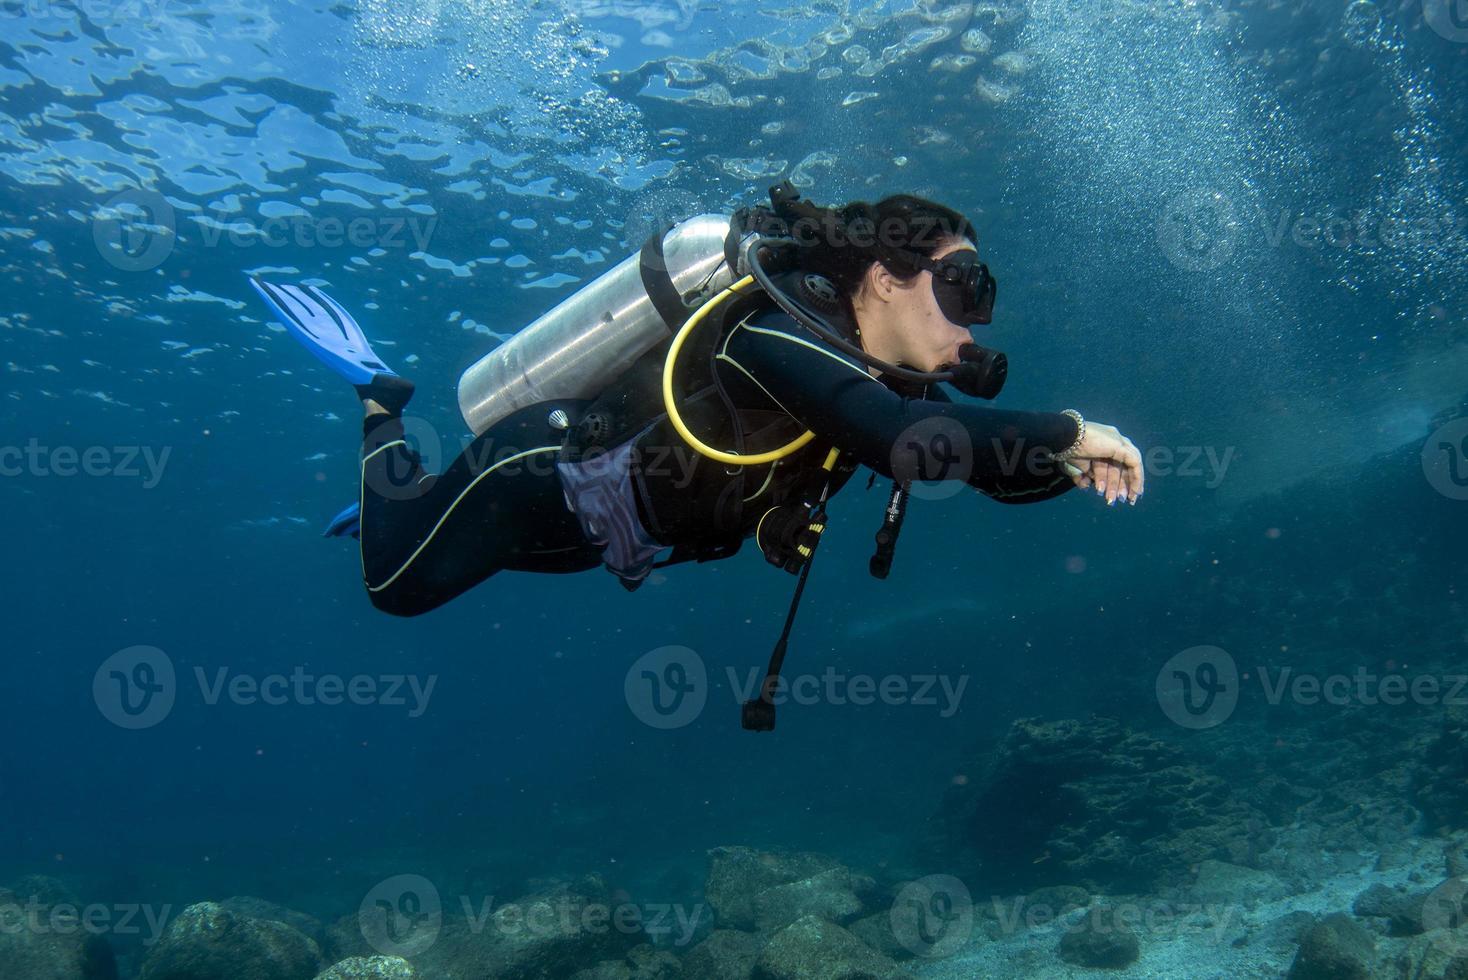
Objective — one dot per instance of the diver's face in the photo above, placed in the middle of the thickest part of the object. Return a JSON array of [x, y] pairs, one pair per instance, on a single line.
[[930, 340]]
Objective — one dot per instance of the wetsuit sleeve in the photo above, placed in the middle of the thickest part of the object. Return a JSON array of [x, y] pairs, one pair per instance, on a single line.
[[1003, 454]]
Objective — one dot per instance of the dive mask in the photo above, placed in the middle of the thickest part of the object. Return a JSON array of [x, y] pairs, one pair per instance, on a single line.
[[962, 285]]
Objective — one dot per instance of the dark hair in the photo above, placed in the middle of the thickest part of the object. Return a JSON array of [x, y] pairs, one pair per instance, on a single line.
[[851, 237]]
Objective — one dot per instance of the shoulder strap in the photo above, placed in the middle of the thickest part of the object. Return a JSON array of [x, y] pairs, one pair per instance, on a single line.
[[653, 266]]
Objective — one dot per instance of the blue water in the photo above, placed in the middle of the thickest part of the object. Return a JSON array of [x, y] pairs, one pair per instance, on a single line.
[[1172, 196]]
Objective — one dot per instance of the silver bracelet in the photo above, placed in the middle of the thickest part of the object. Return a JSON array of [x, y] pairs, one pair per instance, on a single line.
[[1075, 447]]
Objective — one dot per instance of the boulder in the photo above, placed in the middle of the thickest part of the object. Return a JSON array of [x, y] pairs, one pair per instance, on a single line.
[[550, 934], [737, 874], [726, 954], [1335, 948], [344, 940], [835, 895], [877, 932], [1100, 940], [644, 962], [209, 942], [1095, 803], [1399, 910], [813, 949], [370, 968], [258, 908], [39, 941], [1221, 883]]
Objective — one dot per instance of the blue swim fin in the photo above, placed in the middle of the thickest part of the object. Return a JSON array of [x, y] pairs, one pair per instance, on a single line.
[[348, 522], [328, 331]]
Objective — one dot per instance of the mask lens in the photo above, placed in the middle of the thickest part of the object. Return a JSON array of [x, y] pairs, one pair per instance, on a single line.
[[965, 291]]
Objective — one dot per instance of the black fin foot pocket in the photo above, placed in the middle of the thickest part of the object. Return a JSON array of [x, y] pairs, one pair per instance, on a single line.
[[388, 390]]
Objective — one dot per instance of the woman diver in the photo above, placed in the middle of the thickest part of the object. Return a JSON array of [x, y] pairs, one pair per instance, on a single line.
[[850, 349]]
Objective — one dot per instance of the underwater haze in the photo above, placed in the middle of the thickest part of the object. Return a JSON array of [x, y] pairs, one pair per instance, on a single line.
[[1219, 734]]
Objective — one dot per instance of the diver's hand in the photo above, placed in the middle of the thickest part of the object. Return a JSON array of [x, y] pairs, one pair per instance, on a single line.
[[1108, 461]]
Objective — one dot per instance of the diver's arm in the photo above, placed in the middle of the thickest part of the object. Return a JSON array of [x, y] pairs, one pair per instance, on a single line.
[[1007, 452]]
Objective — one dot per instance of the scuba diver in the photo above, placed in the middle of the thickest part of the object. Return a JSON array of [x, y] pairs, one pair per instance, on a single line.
[[722, 384]]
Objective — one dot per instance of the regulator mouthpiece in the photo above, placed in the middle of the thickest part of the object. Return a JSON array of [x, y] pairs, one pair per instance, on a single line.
[[980, 372]]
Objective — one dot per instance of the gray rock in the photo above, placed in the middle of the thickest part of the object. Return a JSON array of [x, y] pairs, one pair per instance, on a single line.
[[1091, 802], [1221, 883], [1400, 910], [1455, 859], [1435, 955], [38, 945], [835, 895], [645, 962], [1335, 948], [737, 874], [550, 934], [876, 931], [344, 940], [44, 890], [1100, 940], [370, 968], [726, 954], [209, 942], [1042, 907], [814, 949], [258, 908]]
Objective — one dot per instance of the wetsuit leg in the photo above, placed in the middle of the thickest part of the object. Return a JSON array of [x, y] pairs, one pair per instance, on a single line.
[[427, 538]]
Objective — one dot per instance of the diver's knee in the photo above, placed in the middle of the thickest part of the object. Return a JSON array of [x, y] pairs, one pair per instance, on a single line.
[[396, 603]]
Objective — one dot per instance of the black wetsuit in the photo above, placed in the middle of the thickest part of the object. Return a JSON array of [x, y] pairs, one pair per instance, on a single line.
[[501, 505]]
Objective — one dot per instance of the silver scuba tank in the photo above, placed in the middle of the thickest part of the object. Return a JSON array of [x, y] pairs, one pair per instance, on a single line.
[[578, 348]]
